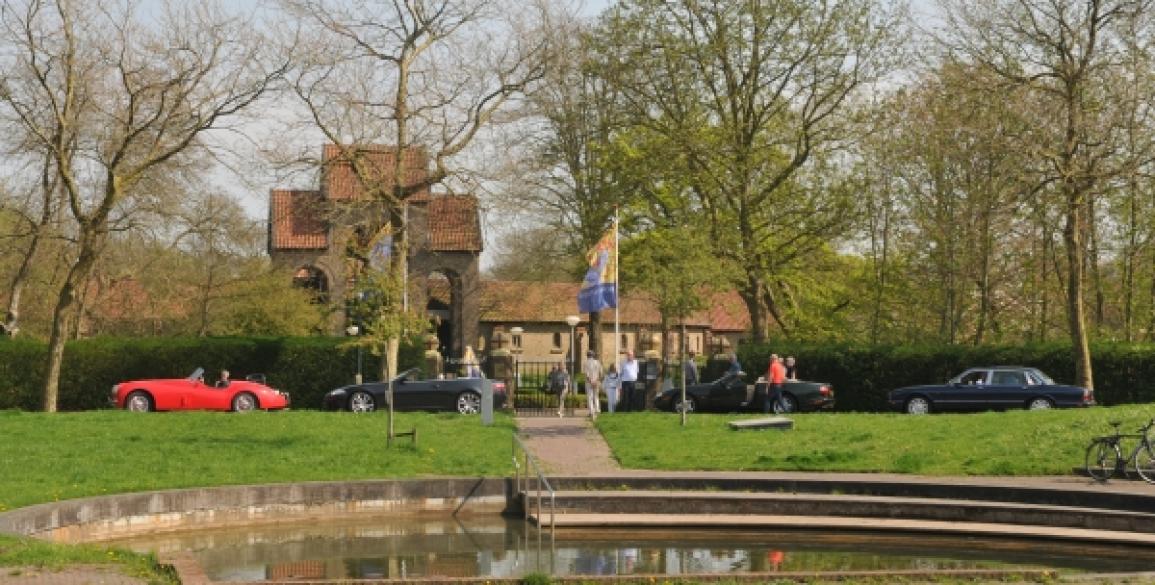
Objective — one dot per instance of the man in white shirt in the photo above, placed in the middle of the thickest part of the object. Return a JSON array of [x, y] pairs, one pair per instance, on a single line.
[[629, 383], [592, 368]]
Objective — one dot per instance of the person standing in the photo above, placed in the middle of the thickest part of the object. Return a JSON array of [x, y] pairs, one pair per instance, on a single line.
[[791, 369], [629, 381], [735, 367], [559, 383], [469, 359], [611, 384], [775, 376], [592, 369], [690, 369]]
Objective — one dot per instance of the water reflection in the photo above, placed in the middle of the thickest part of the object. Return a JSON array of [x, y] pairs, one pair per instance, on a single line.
[[490, 546]]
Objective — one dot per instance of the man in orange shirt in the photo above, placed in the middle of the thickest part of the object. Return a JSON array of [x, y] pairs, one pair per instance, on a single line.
[[776, 376]]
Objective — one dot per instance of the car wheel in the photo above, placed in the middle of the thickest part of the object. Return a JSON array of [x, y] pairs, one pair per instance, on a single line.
[[468, 402], [917, 405], [688, 405], [361, 401], [138, 401], [245, 402], [786, 404], [1039, 404]]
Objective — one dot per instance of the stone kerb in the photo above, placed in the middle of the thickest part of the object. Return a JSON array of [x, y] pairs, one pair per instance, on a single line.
[[104, 517]]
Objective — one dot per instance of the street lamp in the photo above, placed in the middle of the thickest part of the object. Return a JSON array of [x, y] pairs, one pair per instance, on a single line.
[[354, 331], [572, 321]]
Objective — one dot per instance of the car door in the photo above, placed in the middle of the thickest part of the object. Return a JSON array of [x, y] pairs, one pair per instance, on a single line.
[[200, 396], [1008, 389], [727, 393], [407, 393], [970, 392]]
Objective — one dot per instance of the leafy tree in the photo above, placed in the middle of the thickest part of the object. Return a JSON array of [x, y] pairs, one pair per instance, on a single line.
[[750, 95], [1061, 56]]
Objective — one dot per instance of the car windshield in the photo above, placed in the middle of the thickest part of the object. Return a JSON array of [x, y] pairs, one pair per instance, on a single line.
[[410, 374], [197, 374]]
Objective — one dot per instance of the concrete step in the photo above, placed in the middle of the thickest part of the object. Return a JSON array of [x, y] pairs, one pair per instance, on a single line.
[[776, 504], [864, 524]]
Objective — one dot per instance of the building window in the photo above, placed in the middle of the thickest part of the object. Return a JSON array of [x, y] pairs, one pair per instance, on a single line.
[[557, 340], [517, 341], [625, 342]]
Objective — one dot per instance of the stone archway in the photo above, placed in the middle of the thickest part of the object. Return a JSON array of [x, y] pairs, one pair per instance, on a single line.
[[313, 278], [444, 299]]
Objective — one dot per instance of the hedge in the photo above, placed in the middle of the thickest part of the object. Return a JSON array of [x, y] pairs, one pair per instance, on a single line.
[[306, 367], [862, 376]]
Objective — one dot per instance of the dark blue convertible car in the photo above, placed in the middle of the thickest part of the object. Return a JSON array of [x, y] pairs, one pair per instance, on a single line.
[[991, 388]]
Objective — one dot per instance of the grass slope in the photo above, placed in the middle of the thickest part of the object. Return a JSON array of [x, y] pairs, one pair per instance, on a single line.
[[48, 457], [24, 553], [990, 443]]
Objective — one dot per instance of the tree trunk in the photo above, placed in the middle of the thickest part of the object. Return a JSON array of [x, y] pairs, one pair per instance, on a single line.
[[752, 292], [1072, 238], [62, 316]]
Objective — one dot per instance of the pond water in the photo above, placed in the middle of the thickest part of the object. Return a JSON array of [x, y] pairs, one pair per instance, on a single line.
[[493, 546]]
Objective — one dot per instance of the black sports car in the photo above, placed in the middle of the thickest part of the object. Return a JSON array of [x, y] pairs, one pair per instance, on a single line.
[[991, 388], [731, 393], [412, 393]]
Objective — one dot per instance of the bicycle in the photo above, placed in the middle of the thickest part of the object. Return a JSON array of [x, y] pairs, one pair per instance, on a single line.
[[1105, 456]]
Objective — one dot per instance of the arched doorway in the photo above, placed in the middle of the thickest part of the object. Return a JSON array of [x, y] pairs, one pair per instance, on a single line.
[[444, 310], [313, 279]]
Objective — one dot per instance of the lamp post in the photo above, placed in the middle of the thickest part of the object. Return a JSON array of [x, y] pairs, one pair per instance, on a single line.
[[572, 321], [355, 331]]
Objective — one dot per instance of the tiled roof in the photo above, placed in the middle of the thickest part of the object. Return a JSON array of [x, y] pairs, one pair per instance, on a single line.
[[296, 220], [454, 224], [528, 302], [341, 183]]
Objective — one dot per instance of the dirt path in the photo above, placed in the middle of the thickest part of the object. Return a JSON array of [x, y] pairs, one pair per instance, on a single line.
[[73, 575]]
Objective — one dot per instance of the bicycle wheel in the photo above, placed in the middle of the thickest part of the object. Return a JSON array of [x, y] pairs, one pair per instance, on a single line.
[[1145, 462], [1102, 460]]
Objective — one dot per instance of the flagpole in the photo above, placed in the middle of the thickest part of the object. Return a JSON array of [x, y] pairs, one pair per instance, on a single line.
[[618, 295]]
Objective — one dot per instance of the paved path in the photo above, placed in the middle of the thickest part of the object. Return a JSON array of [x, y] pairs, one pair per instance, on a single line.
[[567, 446]]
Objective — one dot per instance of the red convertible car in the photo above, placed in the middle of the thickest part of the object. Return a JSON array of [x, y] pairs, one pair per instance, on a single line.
[[192, 393]]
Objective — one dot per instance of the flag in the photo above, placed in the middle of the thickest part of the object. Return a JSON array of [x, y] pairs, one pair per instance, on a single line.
[[600, 288], [380, 249]]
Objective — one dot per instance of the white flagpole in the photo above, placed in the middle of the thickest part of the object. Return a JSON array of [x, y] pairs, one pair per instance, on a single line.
[[618, 295]]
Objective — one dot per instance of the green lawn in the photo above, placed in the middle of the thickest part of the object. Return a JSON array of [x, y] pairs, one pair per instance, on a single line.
[[47, 457], [992, 443], [22, 553]]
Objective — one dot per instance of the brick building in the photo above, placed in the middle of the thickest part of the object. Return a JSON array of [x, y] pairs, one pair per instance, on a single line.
[[313, 231]]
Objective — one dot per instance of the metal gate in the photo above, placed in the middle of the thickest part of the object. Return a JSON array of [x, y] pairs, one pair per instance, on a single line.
[[531, 395]]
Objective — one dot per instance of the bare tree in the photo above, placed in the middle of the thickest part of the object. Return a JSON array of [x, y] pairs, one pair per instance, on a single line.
[[413, 76], [35, 224], [113, 99]]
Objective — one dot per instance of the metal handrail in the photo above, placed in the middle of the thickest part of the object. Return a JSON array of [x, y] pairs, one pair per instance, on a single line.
[[541, 481]]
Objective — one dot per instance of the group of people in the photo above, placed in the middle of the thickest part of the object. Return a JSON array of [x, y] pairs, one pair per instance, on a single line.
[[623, 392], [621, 388]]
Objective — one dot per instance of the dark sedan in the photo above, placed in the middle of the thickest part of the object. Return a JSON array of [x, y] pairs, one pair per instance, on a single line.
[[991, 388], [731, 393], [412, 393]]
